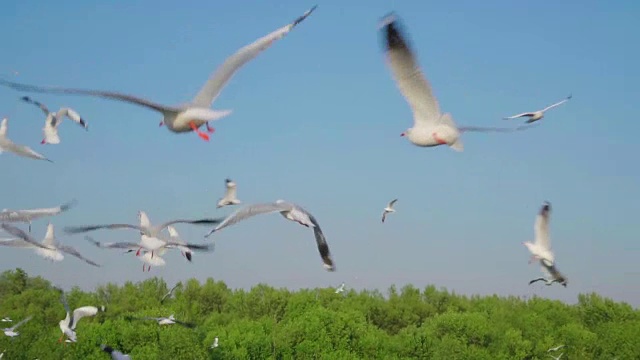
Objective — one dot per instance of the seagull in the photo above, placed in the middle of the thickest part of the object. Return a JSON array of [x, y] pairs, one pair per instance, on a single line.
[[191, 116], [229, 196], [11, 332], [215, 343], [150, 234], [115, 354], [555, 348], [68, 325], [430, 127], [288, 210], [54, 119], [388, 209], [537, 115], [556, 357], [169, 293], [340, 289], [165, 321], [27, 216], [541, 247], [7, 145], [6, 319], [551, 275], [49, 248]]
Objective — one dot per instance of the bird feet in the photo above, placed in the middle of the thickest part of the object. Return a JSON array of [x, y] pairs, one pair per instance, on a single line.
[[161, 123], [438, 139], [532, 259], [138, 252], [202, 135], [44, 141], [210, 130]]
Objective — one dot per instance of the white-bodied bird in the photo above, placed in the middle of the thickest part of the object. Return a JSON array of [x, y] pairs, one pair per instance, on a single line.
[[11, 331], [69, 323], [215, 343], [165, 321], [230, 197], [7, 145], [29, 215], [389, 209], [537, 115], [54, 119], [340, 289], [540, 248]]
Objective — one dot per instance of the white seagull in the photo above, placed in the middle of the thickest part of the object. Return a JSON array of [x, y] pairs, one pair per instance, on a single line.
[[7, 145], [27, 216], [169, 293], [431, 127], [11, 332], [191, 116], [165, 321], [54, 119], [551, 275], [49, 249], [555, 348], [389, 209], [68, 325], [340, 289], [215, 343], [289, 211], [537, 115], [115, 354], [6, 319], [150, 234], [230, 195], [541, 247]]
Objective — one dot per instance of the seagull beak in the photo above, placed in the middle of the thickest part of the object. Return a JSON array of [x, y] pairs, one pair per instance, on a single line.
[[403, 134]]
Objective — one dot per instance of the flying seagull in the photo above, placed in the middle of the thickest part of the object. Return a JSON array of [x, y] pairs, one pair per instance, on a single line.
[[115, 354], [7, 145], [54, 119], [11, 332], [49, 249], [165, 321], [389, 209], [340, 289], [230, 195], [537, 115], [215, 343], [27, 216], [68, 325], [289, 211], [551, 275], [150, 234], [430, 127], [191, 116], [541, 247], [6, 319], [555, 348], [169, 293]]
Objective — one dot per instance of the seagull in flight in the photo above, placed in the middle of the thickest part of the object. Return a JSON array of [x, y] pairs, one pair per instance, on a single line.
[[54, 119], [165, 321], [191, 116], [27, 216], [551, 275], [340, 289], [215, 343], [541, 247], [430, 127], [229, 196], [11, 332], [537, 115], [389, 209], [115, 354], [289, 211], [555, 348], [150, 234], [6, 319], [69, 323], [169, 293], [49, 249], [7, 145]]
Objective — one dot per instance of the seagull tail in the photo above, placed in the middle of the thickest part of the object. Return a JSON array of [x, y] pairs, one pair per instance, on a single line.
[[457, 145]]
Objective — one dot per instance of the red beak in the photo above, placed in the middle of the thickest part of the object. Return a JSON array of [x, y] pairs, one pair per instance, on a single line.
[[402, 134]]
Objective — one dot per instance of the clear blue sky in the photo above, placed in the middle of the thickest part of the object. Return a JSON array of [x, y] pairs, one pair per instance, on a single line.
[[317, 120]]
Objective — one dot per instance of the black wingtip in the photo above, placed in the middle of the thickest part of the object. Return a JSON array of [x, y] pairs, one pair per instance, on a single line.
[[392, 32], [25, 98], [69, 205], [188, 256], [106, 348]]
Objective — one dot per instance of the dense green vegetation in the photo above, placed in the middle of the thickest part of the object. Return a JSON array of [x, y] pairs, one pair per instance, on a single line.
[[268, 323]]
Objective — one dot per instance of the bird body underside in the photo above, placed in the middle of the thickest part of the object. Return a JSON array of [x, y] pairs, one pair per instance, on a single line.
[[181, 122]]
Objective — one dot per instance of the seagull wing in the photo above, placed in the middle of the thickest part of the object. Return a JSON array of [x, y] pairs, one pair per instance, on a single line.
[[14, 327], [536, 280], [84, 229], [390, 205], [541, 227], [116, 245], [250, 211], [21, 150], [223, 74], [407, 74], [494, 129], [193, 247], [323, 247], [72, 115], [557, 104], [98, 93], [192, 222], [22, 235], [81, 312], [42, 107], [519, 115], [17, 243], [71, 251]]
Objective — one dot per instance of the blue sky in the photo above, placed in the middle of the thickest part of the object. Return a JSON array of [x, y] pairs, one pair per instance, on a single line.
[[316, 120]]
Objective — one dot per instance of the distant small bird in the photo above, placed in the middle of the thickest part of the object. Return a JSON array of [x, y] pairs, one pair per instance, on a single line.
[[169, 293], [551, 275], [115, 354], [165, 321], [69, 323], [289, 211], [54, 119], [537, 115], [7, 145], [11, 331], [229, 196], [389, 209], [215, 343], [541, 246], [27, 216], [556, 357], [6, 319], [555, 348], [340, 289]]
